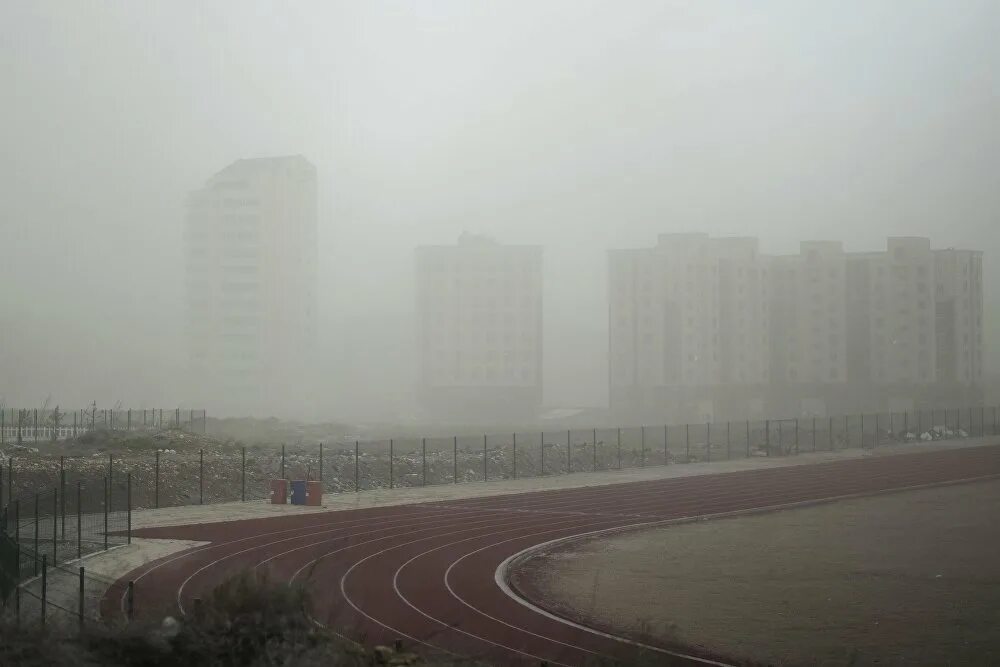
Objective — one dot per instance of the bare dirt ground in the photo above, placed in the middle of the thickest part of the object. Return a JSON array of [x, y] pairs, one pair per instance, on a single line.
[[902, 579]]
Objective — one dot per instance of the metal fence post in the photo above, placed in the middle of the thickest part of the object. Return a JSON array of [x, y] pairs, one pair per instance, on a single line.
[[105, 513], [79, 519], [514, 449], [357, 467], [569, 453], [321, 461], [796, 435], [80, 598], [44, 601], [666, 454], [201, 476], [243, 475], [128, 504], [619, 447], [62, 495], [454, 459], [156, 480], [708, 441], [687, 443], [55, 526], [17, 531], [485, 458], [642, 446], [829, 435], [36, 536], [862, 430], [814, 434], [877, 431], [729, 440], [748, 438], [282, 460], [10, 478], [390, 463], [541, 452], [595, 450], [423, 449]]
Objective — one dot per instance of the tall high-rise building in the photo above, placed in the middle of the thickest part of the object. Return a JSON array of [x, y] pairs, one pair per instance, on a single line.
[[688, 333], [479, 322], [251, 287]]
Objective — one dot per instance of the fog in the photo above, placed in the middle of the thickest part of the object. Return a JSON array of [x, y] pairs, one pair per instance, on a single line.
[[577, 126]]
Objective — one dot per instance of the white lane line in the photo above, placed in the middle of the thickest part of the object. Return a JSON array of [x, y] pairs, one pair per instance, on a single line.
[[395, 587], [255, 547], [219, 545], [502, 574], [347, 598]]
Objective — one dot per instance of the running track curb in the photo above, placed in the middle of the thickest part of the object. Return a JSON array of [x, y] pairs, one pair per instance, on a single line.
[[502, 575]]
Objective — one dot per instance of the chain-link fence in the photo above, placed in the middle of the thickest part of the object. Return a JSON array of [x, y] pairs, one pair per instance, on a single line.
[[167, 477], [43, 534], [26, 426]]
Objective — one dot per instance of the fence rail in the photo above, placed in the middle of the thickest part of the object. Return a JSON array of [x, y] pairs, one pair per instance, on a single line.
[[18, 426]]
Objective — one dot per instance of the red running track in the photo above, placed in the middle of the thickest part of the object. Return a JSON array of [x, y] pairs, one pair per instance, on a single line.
[[432, 574]]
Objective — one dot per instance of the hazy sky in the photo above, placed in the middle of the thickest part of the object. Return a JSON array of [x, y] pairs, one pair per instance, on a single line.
[[575, 125]]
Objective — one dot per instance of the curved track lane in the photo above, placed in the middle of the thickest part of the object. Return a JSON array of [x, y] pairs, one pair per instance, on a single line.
[[434, 574]]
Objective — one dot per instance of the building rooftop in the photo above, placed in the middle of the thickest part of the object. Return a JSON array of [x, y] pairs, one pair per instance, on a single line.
[[248, 166]]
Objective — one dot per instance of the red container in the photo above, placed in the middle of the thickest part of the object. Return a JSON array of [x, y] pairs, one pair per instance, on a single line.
[[279, 491], [314, 493]]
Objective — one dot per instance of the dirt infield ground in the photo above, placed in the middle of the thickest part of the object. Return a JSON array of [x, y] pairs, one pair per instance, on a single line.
[[904, 578]]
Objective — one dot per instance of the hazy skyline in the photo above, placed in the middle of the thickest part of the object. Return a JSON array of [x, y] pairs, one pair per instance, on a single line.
[[576, 126]]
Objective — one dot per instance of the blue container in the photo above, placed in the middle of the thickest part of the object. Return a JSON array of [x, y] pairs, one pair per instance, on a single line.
[[299, 492]]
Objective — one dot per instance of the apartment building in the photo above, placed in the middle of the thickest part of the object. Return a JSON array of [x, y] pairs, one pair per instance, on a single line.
[[958, 326], [808, 353], [687, 328], [702, 328], [479, 329], [891, 322], [250, 243], [893, 330]]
